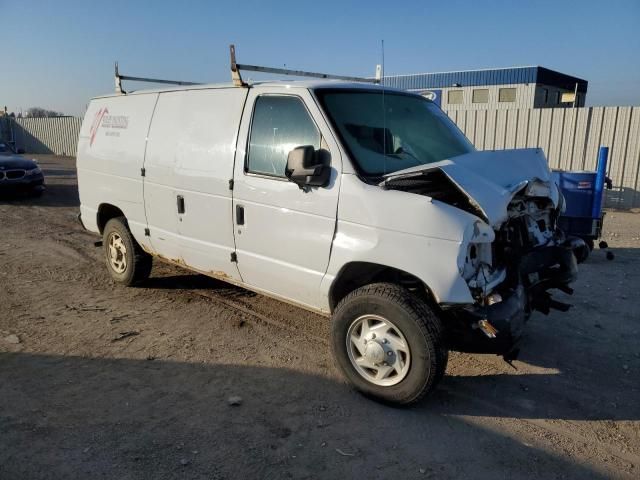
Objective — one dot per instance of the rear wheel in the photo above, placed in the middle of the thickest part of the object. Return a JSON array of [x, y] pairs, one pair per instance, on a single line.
[[388, 343], [126, 262]]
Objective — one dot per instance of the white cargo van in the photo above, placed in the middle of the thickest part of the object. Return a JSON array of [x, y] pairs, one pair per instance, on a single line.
[[362, 203]]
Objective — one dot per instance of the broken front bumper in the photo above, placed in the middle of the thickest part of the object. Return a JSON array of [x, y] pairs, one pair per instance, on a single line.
[[545, 269], [538, 272], [507, 317]]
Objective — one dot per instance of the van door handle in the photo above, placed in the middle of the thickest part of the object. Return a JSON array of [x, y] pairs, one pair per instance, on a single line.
[[180, 200], [239, 214]]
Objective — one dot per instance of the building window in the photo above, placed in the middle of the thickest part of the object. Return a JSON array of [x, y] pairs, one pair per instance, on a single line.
[[455, 96], [507, 95], [480, 95], [568, 97], [558, 97], [545, 95]]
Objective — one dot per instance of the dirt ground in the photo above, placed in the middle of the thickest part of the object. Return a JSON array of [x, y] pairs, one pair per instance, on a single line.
[[102, 381]]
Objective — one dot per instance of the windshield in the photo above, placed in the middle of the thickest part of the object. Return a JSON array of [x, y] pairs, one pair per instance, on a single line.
[[385, 133], [5, 149]]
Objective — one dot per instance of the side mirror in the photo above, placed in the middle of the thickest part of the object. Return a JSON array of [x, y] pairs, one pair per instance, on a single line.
[[307, 168], [20, 151]]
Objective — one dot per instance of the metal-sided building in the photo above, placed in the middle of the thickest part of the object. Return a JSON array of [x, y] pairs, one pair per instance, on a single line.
[[515, 87]]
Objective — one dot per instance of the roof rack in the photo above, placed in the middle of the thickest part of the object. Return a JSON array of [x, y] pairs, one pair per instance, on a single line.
[[119, 79], [237, 78]]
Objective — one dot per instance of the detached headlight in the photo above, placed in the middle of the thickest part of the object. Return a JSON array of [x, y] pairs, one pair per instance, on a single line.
[[476, 247], [475, 257], [33, 171]]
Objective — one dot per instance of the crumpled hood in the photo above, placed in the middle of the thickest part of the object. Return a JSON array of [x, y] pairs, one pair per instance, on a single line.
[[8, 162], [491, 178]]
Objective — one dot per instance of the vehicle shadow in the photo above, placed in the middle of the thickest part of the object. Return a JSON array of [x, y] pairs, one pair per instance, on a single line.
[[165, 277], [578, 365], [73, 417], [55, 195], [60, 172], [187, 281], [27, 141], [565, 366]]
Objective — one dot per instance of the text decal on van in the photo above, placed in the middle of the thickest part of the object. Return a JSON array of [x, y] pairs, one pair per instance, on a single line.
[[103, 119]]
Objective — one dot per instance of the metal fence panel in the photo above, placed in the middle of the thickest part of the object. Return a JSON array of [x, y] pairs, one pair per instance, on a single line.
[[55, 135], [481, 129], [632, 157], [570, 139]]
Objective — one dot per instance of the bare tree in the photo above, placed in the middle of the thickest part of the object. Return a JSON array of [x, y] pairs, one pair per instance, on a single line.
[[42, 112]]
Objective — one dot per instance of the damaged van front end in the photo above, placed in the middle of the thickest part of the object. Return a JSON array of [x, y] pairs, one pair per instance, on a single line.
[[512, 255]]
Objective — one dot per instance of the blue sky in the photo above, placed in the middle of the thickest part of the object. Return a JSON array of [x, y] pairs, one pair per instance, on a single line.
[[58, 54]]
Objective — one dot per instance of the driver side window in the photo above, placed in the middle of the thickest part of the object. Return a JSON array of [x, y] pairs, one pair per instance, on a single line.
[[280, 124]]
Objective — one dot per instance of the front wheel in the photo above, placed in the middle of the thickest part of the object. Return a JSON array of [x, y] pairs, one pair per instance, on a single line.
[[389, 343], [126, 261]]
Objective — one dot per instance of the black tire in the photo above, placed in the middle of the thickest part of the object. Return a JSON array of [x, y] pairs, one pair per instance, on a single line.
[[590, 244], [582, 253], [138, 262], [419, 325]]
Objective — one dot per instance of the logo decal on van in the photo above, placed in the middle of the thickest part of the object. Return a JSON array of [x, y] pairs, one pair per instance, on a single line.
[[103, 119], [97, 120]]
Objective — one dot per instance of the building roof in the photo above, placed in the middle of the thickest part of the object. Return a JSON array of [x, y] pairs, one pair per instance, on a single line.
[[494, 76]]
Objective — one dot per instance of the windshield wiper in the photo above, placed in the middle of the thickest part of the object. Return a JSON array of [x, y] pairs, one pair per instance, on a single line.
[[402, 151]]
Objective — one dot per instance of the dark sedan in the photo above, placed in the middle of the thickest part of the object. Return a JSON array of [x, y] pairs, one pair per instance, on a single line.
[[18, 174]]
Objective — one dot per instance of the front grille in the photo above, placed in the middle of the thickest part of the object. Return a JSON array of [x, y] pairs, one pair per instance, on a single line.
[[12, 174]]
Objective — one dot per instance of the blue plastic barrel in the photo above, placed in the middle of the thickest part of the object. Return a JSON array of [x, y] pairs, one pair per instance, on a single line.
[[579, 190]]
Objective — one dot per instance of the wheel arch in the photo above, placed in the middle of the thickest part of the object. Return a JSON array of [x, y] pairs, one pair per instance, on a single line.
[[354, 275], [106, 212]]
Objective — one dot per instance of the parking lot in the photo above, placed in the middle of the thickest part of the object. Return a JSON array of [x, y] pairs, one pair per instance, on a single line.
[[102, 381]]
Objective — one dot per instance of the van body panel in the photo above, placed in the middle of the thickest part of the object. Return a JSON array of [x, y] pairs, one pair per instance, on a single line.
[[189, 164], [373, 223], [284, 245], [110, 156]]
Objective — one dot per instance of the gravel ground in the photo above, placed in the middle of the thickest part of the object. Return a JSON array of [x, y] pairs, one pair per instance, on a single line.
[[102, 381]]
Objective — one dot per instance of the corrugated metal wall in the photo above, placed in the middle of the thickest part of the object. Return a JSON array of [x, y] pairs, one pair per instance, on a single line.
[[56, 135], [569, 137], [5, 128]]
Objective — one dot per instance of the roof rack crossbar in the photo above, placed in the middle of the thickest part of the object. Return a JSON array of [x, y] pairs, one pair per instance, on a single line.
[[237, 79], [119, 79]]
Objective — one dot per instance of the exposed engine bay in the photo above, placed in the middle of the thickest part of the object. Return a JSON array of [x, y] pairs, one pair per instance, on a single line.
[[510, 265]]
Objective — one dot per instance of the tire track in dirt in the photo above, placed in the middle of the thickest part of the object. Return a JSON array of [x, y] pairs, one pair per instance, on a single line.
[[260, 318]]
